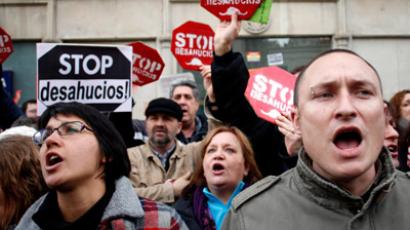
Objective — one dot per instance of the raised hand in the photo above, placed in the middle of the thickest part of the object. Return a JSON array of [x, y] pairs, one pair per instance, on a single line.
[[225, 33]]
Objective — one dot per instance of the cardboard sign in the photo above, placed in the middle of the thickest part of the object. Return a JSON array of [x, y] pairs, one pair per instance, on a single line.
[[147, 64], [6, 45], [192, 45], [270, 92], [96, 75], [223, 9]]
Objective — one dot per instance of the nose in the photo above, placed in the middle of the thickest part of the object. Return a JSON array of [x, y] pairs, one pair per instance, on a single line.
[[52, 139], [345, 108], [390, 133], [219, 154]]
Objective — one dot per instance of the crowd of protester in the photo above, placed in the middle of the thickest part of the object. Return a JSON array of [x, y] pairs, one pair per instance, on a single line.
[[337, 161]]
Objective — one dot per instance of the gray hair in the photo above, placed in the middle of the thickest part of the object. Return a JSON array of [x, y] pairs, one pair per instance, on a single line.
[[185, 82]]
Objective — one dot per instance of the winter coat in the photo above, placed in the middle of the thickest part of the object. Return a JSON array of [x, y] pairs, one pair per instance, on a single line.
[[124, 211], [301, 199], [148, 176]]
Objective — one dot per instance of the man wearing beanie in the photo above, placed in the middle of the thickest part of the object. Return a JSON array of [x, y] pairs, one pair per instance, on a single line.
[[161, 168]]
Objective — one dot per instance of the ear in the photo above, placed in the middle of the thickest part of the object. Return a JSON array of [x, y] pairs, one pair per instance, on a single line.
[[179, 126], [245, 173], [386, 113], [294, 116]]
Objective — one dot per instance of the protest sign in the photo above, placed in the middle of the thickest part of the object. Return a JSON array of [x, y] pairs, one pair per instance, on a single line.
[[96, 75], [147, 64], [223, 9], [270, 92], [6, 45], [192, 45]]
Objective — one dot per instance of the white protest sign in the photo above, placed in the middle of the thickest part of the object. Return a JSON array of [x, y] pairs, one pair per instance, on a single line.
[[91, 74]]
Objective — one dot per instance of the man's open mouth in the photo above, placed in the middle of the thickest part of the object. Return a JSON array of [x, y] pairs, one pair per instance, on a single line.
[[347, 138]]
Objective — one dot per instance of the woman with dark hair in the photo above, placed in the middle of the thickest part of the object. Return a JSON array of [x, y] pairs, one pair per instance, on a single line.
[[228, 167], [21, 182], [85, 164]]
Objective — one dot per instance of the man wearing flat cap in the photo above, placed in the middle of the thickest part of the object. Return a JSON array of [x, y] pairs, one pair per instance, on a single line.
[[160, 169]]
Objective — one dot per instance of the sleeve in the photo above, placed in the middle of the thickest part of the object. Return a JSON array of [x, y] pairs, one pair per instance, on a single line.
[[232, 221], [9, 110], [162, 192]]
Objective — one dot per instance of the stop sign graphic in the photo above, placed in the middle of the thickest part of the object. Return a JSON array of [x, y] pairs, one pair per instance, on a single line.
[[224, 9], [270, 92], [192, 45], [6, 46], [147, 64]]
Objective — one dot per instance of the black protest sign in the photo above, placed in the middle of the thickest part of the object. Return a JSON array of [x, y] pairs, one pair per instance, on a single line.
[[96, 75]]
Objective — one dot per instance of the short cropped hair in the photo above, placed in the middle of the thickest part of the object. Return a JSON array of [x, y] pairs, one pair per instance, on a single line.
[[184, 82], [110, 141], [25, 104], [302, 74]]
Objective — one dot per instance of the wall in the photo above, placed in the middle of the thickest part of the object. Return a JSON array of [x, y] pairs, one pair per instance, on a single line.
[[377, 29]]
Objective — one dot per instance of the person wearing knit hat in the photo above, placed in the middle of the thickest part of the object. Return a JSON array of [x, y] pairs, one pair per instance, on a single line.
[[161, 168]]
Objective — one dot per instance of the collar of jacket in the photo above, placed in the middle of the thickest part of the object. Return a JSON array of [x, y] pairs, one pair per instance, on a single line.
[[123, 202], [330, 195], [178, 152]]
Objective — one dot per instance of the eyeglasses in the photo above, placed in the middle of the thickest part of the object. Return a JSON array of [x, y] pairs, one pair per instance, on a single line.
[[65, 129]]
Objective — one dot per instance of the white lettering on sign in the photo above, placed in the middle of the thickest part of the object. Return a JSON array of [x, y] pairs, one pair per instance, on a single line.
[[267, 90], [91, 64], [200, 41], [3, 40], [225, 2], [145, 63]]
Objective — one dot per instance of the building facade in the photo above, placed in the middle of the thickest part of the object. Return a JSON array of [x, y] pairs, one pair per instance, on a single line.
[[378, 30]]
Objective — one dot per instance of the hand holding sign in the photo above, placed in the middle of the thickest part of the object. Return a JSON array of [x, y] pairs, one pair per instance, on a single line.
[[6, 45], [270, 92]]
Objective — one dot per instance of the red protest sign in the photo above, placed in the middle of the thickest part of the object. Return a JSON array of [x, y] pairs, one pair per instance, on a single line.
[[6, 45], [192, 45], [270, 92], [223, 9], [147, 64]]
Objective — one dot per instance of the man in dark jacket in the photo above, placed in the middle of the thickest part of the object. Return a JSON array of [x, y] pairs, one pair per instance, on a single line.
[[229, 80], [344, 178], [194, 125]]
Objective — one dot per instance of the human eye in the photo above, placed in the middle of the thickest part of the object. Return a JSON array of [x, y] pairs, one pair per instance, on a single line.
[[70, 128], [322, 94], [230, 150], [210, 150], [364, 92]]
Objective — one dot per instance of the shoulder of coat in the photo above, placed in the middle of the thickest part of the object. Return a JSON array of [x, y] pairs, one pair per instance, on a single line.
[[254, 190]]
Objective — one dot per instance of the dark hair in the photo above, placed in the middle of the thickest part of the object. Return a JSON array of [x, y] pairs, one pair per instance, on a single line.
[[25, 104], [109, 140], [395, 104], [21, 180], [302, 74], [189, 83], [198, 178]]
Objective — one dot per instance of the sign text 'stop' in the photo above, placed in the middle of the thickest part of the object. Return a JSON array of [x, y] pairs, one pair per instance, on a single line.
[[223, 9], [270, 92], [147, 64], [192, 45]]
